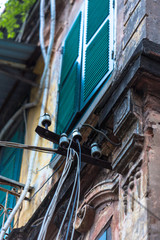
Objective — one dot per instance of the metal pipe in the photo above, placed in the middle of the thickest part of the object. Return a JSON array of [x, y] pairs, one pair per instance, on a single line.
[[27, 106]]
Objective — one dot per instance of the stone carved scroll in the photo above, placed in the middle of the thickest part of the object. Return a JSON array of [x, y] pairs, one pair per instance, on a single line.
[[103, 193], [85, 218]]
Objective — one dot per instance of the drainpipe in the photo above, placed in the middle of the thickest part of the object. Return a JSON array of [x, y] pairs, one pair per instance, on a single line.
[[45, 77]]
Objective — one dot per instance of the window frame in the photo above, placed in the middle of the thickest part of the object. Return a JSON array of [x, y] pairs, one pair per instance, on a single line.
[[17, 135], [105, 231], [82, 106]]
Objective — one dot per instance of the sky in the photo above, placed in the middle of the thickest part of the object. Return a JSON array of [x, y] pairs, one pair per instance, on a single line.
[[2, 3]]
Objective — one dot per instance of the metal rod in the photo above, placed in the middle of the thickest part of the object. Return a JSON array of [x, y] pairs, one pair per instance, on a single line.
[[86, 152]]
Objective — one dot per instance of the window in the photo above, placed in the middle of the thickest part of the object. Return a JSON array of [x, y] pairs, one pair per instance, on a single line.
[[106, 235], [10, 164], [87, 60]]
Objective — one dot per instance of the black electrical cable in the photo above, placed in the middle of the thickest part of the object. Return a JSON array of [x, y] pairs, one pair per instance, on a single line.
[[149, 211], [76, 193], [47, 179], [102, 133]]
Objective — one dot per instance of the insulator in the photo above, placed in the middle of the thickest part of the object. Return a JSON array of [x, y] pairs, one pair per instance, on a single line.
[[76, 135], [63, 141], [46, 120], [95, 150]]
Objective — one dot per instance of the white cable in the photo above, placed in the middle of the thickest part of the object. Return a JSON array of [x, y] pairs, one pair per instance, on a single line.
[[52, 205], [41, 28], [70, 200], [78, 197], [53, 202], [46, 60], [27, 106], [28, 147], [27, 185]]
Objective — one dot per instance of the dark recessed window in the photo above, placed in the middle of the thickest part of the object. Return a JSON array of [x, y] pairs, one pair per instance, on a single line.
[[106, 235]]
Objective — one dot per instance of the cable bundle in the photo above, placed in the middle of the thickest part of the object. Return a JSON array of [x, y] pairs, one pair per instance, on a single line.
[[71, 153], [43, 87]]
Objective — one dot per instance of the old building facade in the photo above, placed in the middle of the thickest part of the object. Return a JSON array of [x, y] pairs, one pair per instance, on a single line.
[[104, 75]]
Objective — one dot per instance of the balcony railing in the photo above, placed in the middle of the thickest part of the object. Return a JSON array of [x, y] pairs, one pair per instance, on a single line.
[[11, 188]]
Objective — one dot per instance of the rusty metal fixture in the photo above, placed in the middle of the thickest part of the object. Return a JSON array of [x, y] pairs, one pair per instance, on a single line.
[[46, 120], [85, 218], [9, 210], [1, 210], [85, 151], [95, 150], [5, 210], [14, 189], [63, 141]]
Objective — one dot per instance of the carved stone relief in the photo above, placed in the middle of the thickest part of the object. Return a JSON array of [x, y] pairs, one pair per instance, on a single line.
[[103, 193]]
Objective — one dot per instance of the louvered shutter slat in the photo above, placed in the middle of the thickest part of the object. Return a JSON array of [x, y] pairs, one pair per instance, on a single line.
[[70, 78], [71, 48], [68, 100], [97, 62], [98, 11]]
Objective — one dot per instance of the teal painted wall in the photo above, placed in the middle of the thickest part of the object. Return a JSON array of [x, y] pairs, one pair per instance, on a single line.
[[10, 165]]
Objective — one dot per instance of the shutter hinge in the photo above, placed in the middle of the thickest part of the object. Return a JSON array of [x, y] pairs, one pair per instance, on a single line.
[[112, 55], [113, 3]]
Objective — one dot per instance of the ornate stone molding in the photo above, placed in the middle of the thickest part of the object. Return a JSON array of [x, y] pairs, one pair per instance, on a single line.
[[125, 114], [129, 153], [104, 192]]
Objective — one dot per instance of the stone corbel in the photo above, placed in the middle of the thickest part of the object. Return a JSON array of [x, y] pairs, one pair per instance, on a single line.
[[129, 153], [126, 113], [104, 193]]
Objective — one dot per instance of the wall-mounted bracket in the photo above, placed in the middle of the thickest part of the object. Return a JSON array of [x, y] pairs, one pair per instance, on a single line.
[[85, 152]]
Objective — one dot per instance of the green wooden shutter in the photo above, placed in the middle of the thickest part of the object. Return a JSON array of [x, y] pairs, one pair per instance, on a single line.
[[98, 11], [71, 48], [68, 100], [10, 164], [70, 78], [98, 46]]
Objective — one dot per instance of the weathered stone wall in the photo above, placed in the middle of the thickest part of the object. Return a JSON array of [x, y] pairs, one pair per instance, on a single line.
[[136, 19], [152, 157], [131, 28]]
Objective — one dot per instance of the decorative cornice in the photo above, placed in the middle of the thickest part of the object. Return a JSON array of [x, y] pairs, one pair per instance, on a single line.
[[144, 62]]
